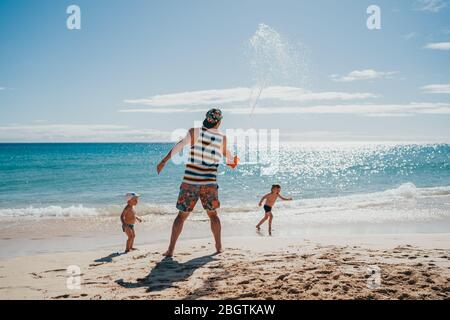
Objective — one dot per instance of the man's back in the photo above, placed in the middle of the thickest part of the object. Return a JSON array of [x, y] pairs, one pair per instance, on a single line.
[[204, 156]]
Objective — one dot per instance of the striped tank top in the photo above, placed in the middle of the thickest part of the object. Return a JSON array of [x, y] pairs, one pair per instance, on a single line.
[[204, 158]]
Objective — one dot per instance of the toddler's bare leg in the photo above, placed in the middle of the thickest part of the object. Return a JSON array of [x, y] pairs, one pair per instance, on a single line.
[[132, 240], [129, 234]]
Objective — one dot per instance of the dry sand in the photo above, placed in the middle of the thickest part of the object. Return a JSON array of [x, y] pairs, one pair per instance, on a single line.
[[415, 266]]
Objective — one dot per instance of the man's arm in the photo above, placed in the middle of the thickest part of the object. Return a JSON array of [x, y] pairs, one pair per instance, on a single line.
[[283, 198], [230, 159], [176, 149]]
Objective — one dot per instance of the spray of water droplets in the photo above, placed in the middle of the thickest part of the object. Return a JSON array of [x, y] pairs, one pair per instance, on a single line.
[[274, 61]]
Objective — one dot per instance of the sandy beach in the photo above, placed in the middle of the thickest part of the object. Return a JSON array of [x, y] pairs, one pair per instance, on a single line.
[[411, 266]]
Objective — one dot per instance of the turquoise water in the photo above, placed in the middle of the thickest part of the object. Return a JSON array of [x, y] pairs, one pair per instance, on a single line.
[[40, 179]]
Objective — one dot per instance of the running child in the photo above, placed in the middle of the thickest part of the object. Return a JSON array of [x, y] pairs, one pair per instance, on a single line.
[[270, 200]]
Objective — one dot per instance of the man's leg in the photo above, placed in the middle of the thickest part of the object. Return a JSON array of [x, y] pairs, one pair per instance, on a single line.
[[216, 229], [177, 227]]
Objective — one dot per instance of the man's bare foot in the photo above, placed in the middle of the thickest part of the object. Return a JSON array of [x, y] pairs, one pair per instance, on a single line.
[[220, 250], [133, 249], [258, 227], [168, 253], [126, 251]]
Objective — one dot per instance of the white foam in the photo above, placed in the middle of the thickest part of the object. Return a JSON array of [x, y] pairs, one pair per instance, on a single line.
[[406, 203], [50, 211]]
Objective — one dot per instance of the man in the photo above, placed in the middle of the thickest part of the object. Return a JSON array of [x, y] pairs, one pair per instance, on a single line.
[[208, 146]]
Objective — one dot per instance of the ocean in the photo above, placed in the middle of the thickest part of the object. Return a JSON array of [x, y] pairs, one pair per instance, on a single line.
[[331, 183]]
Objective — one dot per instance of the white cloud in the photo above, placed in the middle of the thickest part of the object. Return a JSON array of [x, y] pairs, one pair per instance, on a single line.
[[78, 133], [244, 95], [195, 97], [167, 110], [438, 46], [436, 88], [362, 109], [379, 110], [430, 5], [367, 74]]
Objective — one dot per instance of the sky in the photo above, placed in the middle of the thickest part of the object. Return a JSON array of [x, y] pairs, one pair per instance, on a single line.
[[139, 70]]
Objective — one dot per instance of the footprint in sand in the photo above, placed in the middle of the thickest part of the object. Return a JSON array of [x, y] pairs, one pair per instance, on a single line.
[[429, 280], [281, 277], [142, 256], [324, 271], [36, 276], [310, 268], [407, 273]]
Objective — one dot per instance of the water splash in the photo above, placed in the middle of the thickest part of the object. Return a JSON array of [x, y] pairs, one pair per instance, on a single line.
[[273, 61]]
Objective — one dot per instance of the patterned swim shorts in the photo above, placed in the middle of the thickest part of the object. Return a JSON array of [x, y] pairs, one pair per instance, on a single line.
[[189, 194]]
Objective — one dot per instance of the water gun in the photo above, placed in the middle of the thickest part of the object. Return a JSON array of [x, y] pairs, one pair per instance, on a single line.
[[235, 162]]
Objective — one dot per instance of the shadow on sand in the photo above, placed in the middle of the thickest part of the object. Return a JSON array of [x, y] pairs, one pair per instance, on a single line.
[[110, 257], [167, 272]]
